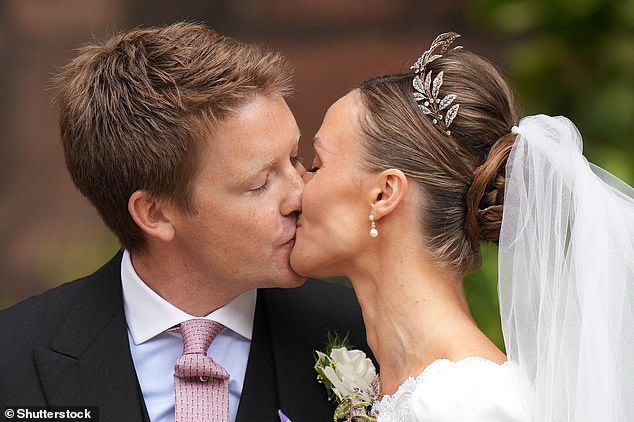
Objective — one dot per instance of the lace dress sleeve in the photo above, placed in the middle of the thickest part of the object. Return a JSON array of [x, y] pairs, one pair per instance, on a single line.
[[472, 389]]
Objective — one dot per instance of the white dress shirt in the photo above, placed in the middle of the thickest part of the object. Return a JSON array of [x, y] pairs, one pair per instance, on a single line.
[[155, 351]]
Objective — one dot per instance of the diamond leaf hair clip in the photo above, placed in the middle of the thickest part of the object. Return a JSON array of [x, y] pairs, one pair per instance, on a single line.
[[426, 90]]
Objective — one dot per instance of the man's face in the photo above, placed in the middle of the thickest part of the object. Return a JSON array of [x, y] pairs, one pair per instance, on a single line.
[[247, 197]]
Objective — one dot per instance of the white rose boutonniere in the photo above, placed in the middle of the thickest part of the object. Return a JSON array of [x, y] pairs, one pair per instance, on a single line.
[[349, 377]]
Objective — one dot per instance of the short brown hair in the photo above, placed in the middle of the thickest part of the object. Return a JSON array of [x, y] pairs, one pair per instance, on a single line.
[[135, 108], [461, 190]]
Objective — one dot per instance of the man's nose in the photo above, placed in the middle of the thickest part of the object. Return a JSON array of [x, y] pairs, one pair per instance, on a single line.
[[293, 202]]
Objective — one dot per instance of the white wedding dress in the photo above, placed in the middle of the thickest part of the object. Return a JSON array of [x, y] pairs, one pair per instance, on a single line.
[[472, 389], [566, 290]]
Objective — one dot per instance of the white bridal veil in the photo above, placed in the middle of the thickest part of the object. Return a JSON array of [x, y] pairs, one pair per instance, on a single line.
[[566, 277]]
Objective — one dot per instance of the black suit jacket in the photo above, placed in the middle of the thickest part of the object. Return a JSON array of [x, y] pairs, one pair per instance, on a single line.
[[69, 347]]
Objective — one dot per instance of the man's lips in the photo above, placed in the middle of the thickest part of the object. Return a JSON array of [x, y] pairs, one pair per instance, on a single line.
[[291, 240]]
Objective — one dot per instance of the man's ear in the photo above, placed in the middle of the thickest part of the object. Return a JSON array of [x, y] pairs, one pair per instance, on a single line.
[[151, 215], [390, 192]]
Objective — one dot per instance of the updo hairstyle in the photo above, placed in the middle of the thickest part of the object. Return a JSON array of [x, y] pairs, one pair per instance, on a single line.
[[461, 176]]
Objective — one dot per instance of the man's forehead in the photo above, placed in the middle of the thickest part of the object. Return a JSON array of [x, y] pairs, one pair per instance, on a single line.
[[243, 159], [254, 137]]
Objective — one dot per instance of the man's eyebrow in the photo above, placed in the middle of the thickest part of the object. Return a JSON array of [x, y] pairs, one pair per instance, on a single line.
[[255, 170]]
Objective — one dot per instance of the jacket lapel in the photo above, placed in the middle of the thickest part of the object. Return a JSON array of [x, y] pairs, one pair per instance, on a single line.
[[299, 321], [258, 401], [293, 334], [89, 362], [280, 372]]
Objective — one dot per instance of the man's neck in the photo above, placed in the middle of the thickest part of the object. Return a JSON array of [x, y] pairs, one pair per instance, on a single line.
[[180, 284]]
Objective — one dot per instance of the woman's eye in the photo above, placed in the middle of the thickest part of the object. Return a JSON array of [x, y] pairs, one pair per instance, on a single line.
[[316, 165]]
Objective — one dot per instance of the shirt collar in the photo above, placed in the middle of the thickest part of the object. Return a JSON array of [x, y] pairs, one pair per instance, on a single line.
[[148, 314]]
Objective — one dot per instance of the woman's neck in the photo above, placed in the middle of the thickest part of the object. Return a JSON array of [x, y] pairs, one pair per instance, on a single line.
[[410, 309]]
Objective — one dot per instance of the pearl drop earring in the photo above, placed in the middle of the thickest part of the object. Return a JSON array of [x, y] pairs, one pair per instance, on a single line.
[[373, 231]]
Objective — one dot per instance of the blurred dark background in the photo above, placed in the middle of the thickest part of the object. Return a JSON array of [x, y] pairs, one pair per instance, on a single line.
[[570, 57]]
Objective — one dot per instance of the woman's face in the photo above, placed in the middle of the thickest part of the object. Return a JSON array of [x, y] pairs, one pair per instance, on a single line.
[[336, 202]]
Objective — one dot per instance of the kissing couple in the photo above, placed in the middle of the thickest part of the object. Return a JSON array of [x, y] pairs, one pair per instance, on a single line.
[[182, 140]]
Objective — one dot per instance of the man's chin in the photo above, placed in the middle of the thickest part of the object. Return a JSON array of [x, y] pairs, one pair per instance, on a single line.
[[299, 281], [291, 281], [290, 278]]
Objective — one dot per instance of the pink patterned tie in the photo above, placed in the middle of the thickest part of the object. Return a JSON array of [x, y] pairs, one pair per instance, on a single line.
[[202, 386]]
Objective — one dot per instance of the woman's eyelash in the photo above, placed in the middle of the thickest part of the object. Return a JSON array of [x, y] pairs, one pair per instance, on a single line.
[[313, 169]]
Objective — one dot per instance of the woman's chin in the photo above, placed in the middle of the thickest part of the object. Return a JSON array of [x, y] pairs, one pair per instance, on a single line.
[[311, 262], [300, 263], [304, 263]]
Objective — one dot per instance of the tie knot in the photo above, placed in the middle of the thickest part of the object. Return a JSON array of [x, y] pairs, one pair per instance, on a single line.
[[198, 334]]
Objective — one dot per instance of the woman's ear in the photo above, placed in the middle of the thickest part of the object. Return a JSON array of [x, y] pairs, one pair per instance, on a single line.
[[390, 192], [151, 215]]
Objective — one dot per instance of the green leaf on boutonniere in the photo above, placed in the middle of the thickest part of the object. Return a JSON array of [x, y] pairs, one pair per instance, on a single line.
[[334, 341]]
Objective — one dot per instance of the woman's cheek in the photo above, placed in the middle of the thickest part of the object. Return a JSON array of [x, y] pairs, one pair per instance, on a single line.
[[310, 201]]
